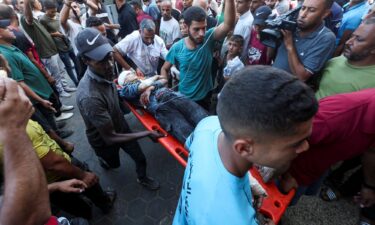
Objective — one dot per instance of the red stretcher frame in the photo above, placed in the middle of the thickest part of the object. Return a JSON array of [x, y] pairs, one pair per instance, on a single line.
[[273, 206]]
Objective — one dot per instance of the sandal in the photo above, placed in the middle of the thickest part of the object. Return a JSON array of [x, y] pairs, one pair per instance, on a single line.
[[329, 194]]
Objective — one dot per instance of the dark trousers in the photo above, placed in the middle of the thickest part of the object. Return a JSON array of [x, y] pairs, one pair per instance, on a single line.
[[177, 114], [65, 57], [206, 101], [74, 203], [110, 154]]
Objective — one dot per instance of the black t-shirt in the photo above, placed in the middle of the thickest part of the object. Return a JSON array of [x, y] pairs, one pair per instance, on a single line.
[[127, 20]]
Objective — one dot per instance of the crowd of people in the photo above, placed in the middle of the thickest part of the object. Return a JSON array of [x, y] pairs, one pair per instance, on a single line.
[[286, 86]]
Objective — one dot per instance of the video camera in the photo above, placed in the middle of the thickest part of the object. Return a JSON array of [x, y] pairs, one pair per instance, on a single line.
[[271, 36]]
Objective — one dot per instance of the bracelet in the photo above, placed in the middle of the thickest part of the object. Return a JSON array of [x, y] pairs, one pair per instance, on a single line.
[[364, 184]]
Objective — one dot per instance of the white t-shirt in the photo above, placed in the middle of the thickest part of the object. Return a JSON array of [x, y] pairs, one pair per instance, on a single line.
[[74, 29], [169, 30], [146, 57], [243, 28]]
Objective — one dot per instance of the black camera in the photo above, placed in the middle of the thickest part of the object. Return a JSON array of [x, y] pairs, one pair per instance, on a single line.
[[271, 35]]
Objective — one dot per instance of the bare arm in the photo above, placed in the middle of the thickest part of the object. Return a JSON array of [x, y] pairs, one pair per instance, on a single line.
[[35, 97], [165, 69], [25, 195], [118, 57], [46, 75], [64, 15], [296, 66], [60, 166], [28, 12], [111, 137], [229, 21]]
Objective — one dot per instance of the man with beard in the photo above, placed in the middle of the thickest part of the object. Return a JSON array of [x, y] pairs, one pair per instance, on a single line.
[[304, 52], [356, 69], [194, 53], [97, 99], [143, 47]]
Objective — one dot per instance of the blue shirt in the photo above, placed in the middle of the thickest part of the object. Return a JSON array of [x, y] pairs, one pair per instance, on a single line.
[[195, 66], [351, 19], [210, 194], [313, 50]]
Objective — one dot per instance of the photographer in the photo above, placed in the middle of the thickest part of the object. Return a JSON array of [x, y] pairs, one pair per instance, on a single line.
[[304, 52]]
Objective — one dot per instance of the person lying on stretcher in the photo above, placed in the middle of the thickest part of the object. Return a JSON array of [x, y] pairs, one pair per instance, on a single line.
[[177, 114]]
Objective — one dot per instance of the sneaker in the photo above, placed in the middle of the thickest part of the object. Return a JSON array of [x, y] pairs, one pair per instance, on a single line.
[[70, 89], [64, 116], [149, 183], [65, 94], [111, 198], [61, 125], [65, 108], [64, 133]]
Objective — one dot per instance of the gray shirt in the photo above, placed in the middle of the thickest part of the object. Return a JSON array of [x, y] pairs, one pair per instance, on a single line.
[[98, 102], [313, 50]]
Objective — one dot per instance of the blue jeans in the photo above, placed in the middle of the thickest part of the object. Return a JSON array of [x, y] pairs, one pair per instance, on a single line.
[[65, 57], [177, 114]]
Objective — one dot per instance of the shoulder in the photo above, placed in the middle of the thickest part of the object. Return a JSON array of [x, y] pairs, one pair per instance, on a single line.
[[210, 123]]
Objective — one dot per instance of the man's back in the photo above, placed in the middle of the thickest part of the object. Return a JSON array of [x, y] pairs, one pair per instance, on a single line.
[[195, 66], [210, 193], [341, 77]]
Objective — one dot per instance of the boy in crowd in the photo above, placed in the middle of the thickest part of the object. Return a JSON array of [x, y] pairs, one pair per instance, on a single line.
[[232, 60], [264, 117], [257, 52]]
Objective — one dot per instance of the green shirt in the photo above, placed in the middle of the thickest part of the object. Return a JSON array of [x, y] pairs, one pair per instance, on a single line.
[[341, 77], [24, 70], [52, 26], [45, 46], [195, 66]]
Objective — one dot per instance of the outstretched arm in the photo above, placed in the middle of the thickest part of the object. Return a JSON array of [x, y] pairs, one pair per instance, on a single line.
[[28, 12], [25, 195], [229, 21]]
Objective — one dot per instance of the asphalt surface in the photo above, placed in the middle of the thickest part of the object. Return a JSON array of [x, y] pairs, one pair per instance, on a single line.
[[135, 205]]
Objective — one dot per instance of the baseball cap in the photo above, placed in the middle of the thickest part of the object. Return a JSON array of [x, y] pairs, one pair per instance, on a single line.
[[92, 44], [261, 15], [4, 23]]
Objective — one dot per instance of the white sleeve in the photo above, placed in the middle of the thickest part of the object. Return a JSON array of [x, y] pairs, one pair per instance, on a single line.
[[126, 45], [176, 32]]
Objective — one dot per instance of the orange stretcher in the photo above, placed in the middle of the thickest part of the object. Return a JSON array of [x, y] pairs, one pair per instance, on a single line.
[[273, 206]]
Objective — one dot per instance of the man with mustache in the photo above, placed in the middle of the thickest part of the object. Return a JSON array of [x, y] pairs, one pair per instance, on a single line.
[[304, 52], [355, 70]]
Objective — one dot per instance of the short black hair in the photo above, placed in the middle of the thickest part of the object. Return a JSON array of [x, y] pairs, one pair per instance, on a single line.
[[93, 21], [237, 38], [194, 13], [136, 4], [329, 3], [49, 4], [264, 101], [6, 12]]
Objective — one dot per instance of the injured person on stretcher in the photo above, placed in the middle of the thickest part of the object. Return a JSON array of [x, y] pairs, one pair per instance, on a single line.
[[177, 114]]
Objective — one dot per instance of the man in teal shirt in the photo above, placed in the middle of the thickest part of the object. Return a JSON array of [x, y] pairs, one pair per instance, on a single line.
[[194, 54], [264, 117]]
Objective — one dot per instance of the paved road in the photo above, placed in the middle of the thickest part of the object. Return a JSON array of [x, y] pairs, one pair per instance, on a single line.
[[138, 206]]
